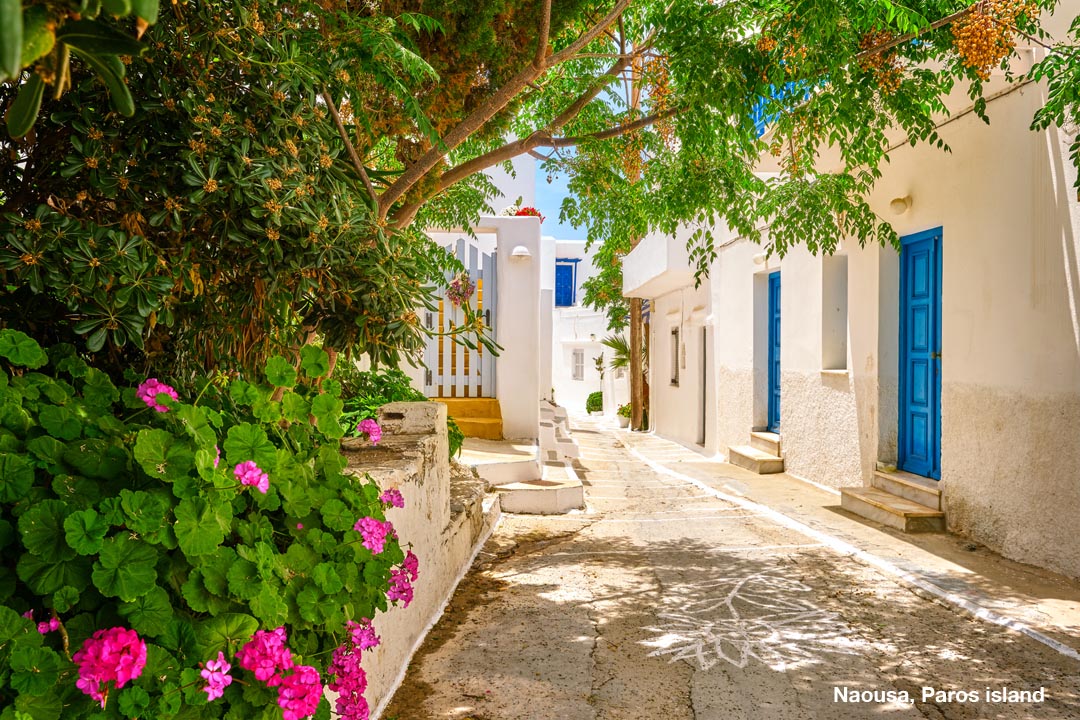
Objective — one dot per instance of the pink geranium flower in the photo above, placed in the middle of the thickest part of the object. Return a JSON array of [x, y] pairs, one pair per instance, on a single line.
[[216, 674], [116, 655], [148, 392], [374, 533], [248, 473]]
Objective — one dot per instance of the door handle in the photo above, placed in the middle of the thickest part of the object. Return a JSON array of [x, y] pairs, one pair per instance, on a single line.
[[935, 356]]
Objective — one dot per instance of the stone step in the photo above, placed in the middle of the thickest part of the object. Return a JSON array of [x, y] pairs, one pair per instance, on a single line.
[[484, 428], [755, 460], [767, 442], [916, 488], [892, 510], [556, 493], [459, 408]]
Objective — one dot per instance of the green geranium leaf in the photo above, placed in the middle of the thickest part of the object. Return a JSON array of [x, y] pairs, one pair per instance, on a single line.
[[244, 579], [96, 458], [269, 605], [314, 361], [266, 410], [178, 638], [84, 531], [40, 707], [98, 390], [327, 409], [244, 393], [34, 670], [14, 418], [60, 422], [44, 577], [162, 455], [133, 701], [16, 477], [280, 372], [14, 626], [198, 529], [249, 442], [337, 515], [310, 602], [143, 511], [42, 530], [20, 349], [225, 633], [294, 407], [197, 424], [327, 578], [65, 598], [47, 449], [125, 568], [150, 614]]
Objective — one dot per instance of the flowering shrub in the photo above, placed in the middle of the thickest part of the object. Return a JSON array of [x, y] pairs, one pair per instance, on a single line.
[[213, 560], [529, 212]]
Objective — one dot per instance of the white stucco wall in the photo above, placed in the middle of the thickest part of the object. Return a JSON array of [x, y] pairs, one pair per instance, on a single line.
[[522, 184], [685, 412]]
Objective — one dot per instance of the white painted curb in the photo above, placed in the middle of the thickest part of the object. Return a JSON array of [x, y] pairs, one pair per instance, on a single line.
[[845, 548]]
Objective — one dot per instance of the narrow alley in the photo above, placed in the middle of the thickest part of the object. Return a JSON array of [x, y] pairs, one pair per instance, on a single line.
[[665, 601]]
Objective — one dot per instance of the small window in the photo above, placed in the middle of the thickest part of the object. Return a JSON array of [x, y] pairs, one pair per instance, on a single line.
[[675, 356], [579, 364], [834, 312]]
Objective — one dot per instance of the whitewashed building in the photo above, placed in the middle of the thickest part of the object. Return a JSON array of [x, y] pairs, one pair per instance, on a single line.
[[577, 332], [955, 361]]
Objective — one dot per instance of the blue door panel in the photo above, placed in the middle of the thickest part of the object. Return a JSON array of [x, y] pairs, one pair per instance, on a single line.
[[564, 285], [919, 427], [774, 352]]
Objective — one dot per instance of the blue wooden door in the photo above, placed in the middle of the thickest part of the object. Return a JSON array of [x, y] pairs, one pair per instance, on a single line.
[[774, 352], [919, 428]]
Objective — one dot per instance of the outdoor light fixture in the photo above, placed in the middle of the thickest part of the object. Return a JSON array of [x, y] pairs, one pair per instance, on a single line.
[[900, 205], [759, 259], [520, 253]]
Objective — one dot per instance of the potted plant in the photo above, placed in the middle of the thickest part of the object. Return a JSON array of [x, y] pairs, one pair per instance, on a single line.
[[623, 414]]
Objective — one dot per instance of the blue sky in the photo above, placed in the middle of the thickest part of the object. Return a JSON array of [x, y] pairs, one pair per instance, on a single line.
[[549, 197]]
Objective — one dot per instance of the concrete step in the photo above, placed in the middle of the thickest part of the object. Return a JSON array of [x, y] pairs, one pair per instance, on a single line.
[[892, 510], [755, 460], [459, 408], [557, 492], [484, 428], [766, 442], [916, 488]]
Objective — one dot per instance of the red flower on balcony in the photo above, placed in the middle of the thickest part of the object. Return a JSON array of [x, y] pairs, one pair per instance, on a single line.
[[529, 212]]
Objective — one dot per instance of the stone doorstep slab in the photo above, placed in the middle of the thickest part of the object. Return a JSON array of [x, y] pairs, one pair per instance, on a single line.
[[755, 460], [892, 510], [910, 487]]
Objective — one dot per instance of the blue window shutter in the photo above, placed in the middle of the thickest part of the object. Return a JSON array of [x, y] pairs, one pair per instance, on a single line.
[[564, 285]]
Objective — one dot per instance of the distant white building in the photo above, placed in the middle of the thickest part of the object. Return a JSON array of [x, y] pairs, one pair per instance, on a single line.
[[576, 333], [955, 360]]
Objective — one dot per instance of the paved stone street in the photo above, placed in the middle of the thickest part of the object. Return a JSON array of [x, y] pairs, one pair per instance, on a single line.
[[663, 601]]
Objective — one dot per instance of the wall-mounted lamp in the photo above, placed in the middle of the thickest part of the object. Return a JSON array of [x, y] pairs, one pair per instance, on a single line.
[[592, 337], [900, 205], [759, 259], [520, 253]]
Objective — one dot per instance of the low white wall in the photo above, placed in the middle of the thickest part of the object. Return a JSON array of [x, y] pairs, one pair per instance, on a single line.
[[443, 542]]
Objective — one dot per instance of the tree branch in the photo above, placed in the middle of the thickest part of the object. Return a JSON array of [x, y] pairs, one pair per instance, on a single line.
[[612, 132], [545, 31], [884, 47], [480, 116], [351, 148], [535, 139]]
